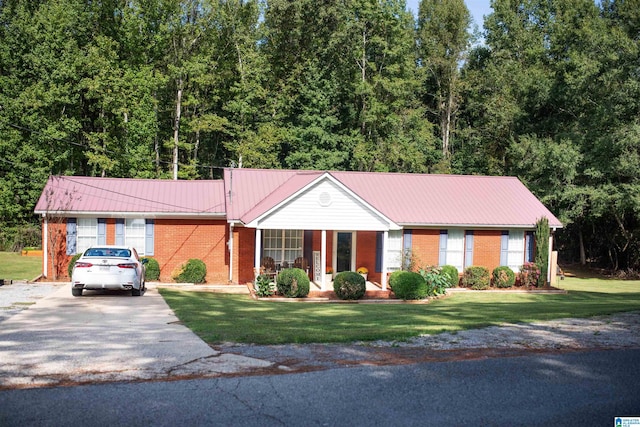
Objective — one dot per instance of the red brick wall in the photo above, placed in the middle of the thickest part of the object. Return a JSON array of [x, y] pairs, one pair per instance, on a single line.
[[178, 240], [425, 247], [366, 254], [245, 243], [486, 248]]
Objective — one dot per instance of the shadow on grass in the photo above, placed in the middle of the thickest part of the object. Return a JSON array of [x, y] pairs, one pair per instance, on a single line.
[[218, 318]]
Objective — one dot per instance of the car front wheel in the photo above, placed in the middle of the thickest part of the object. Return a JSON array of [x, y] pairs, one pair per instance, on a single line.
[[76, 292]]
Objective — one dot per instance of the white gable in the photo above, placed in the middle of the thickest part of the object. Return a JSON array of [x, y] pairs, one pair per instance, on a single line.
[[324, 205]]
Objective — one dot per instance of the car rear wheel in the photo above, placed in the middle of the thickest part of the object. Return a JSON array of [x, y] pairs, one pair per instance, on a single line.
[[76, 292], [136, 292]]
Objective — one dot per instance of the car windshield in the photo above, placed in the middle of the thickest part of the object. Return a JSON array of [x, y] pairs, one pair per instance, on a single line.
[[108, 252]]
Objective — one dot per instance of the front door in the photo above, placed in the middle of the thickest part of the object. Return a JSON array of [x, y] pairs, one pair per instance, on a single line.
[[344, 252]]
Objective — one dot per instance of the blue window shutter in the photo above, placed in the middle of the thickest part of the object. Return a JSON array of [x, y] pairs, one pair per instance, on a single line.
[[468, 253], [119, 231], [528, 242], [102, 231], [407, 245], [504, 248], [379, 241], [149, 237], [72, 233], [442, 258]]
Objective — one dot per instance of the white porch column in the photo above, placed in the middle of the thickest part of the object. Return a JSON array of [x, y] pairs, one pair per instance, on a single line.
[[256, 262], [323, 259], [550, 254], [45, 247], [385, 242]]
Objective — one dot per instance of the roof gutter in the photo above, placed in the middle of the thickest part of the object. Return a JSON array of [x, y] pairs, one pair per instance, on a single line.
[[95, 214]]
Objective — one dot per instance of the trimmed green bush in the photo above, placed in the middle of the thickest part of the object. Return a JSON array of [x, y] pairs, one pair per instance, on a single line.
[[477, 278], [72, 262], [152, 271], [503, 277], [349, 285], [451, 273], [193, 271], [408, 285], [264, 285], [293, 283]]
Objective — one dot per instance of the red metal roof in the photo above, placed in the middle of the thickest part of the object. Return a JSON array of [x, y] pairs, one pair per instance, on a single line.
[[246, 194], [118, 195], [406, 199]]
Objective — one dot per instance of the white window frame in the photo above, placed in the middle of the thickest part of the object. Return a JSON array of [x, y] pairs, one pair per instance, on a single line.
[[516, 250], [455, 248], [86, 233], [134, 234], [282, 245], [394, 250]]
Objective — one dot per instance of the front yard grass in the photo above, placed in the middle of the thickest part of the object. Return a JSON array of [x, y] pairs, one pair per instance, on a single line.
[[218, 318], [17, 267]]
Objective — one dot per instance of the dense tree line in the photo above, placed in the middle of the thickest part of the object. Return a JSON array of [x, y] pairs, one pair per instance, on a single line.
[[548, 91]]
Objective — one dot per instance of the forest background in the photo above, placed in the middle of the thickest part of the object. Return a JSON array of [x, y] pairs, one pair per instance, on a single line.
[[547, 90]]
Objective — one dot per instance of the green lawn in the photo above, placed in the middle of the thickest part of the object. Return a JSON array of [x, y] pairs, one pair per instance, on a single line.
[[16, 267], [237, 318]]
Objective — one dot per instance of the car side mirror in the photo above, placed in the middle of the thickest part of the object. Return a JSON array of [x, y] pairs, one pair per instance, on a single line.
[[144, 261]]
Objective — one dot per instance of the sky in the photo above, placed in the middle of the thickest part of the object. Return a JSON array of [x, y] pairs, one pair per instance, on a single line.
[[478, 9]]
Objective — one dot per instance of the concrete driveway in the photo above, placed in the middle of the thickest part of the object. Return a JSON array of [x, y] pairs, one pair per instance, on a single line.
[[106, 337]]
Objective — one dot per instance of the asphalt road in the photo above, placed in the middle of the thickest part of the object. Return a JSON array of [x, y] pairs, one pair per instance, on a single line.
[[571, 389]]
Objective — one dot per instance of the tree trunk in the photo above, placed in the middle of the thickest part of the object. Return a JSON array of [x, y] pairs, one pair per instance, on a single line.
[[176, 128], [583, 256]]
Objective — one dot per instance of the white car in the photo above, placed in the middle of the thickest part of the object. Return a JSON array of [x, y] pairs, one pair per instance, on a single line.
[[109, 267]]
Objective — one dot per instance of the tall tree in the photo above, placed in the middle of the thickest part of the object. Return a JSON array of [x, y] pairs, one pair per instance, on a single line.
[[443, 40]]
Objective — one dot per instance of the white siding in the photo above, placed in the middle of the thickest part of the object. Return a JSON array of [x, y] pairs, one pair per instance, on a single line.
[[325, 206]]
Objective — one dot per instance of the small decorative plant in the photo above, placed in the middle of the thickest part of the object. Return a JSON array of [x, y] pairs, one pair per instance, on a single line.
[[264, 286], [436, 279], [329, 270], [362, 270]]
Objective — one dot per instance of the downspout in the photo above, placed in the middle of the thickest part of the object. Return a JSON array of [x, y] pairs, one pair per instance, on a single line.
[[45, 246], [230, 246]]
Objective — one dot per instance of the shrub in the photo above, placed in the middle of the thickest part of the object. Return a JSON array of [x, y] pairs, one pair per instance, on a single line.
[[437, 282], [451, 273], [503, 277], [264, 285], [349, 285], [152, 271], [193, 271], [477, 278], [72, 262], [293, 283], [408, 285], [529, 274]]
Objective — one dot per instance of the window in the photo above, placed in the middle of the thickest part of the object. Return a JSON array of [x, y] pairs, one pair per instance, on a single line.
[[452, 248], [512, 249], [134, 236], [282, 245], [87, 233], [394, 251]]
